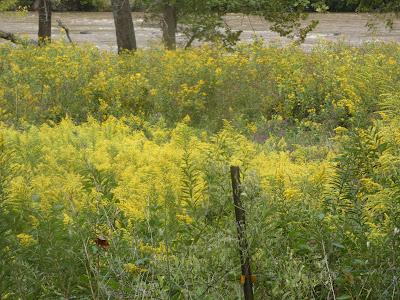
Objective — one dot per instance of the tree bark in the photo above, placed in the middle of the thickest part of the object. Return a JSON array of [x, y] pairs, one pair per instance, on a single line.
[[44, 34], [124, 28], [169, 24]]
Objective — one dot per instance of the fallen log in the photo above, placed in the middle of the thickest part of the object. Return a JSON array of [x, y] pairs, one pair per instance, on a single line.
[[9, 36], [16, 39]]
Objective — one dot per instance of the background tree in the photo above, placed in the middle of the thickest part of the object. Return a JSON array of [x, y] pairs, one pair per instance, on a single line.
[[44, 9], [203, 19], [124, 28], [382, 9], [196, 19], [169, 23], [287, 17]]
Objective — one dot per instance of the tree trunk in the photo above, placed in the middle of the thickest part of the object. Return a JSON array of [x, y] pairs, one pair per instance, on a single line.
[[44, 34], [169, 24], [124, 29]]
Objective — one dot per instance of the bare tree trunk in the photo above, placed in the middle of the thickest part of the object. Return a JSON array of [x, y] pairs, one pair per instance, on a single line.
[[44, 34], [124, 29], [169, 24]]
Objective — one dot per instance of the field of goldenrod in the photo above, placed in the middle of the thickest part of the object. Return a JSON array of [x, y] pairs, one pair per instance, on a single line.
[[114, 172], [332, 85]]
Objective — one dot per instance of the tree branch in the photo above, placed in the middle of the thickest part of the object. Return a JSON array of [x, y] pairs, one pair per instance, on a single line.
[[66, 29]]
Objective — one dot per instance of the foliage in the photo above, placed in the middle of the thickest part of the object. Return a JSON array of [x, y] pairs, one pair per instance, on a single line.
[[114, 172], [7, 4], [65, 5], [223, 5], [286, 16], [203, 20], [317, 223], [198, 20], [380, 6], [382, 9], [268, 86]]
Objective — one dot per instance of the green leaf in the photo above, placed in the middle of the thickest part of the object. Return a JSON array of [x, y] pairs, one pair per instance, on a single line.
[[337, 245], [344, 297]]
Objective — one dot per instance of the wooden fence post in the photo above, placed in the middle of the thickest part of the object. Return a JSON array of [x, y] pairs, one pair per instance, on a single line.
[[241, 229]]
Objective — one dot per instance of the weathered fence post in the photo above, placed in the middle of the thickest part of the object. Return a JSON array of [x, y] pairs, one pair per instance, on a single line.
[[241, 229]]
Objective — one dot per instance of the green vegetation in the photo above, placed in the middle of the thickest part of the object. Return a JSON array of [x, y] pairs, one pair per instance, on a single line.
[[7, 4], [230, 6], [334, 85], [114, 172]]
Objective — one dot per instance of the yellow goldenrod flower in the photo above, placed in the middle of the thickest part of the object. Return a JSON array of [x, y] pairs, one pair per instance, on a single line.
[[134, 269], [26, 240]]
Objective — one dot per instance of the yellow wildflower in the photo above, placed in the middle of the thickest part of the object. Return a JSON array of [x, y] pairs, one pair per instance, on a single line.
[[67, 220], [252, 127], [392, 61], [134, 269], [340, 130], [291, 193], [26, 240], [184, 218], [153, 92]]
